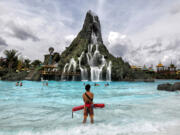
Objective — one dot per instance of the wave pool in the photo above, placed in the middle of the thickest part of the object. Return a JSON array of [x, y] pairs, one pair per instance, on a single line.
[[132, 108]]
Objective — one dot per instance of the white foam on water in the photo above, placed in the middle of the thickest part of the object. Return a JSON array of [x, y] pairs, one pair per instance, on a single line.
[[131, 108], [144, 128]]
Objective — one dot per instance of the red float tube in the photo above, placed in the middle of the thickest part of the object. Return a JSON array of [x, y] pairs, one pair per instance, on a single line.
[[82, 107], [78, 108]]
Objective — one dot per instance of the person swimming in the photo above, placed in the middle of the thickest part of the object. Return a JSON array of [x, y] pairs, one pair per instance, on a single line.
[[17, 83], [88, 107], [107, 84], [20, 84], [46, 83], [96, 84]]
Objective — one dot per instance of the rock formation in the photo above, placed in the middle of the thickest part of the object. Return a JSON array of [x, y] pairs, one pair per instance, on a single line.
[[88, 55], [176, 86], [166, 86], [169, 87]]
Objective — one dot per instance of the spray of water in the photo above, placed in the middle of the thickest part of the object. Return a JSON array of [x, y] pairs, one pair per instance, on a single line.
[[64, 71], [84, 73]]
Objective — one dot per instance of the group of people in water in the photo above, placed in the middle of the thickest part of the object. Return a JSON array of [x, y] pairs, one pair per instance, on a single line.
[[96, 84], [19, 84], [87, 98]]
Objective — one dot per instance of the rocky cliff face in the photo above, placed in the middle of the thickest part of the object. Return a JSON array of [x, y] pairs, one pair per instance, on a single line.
[[83, 39], [91, 23], [87, 54]]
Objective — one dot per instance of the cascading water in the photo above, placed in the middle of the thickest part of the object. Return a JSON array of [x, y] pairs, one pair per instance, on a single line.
[[64, 71], [84, 73], [108, 73], [67, 68], [96, 61], [72, 64]]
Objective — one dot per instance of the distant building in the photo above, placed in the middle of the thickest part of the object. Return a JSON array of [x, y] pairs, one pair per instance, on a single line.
[[135, 68], [3, 59], [151, 69], [145, 68], [178, 71], [148, 70], [51, 59], [172, 68], [160, 67], [46, 69], [164, 72]]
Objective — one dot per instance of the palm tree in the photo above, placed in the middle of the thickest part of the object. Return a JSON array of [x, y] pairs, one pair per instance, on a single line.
[[12, 59]]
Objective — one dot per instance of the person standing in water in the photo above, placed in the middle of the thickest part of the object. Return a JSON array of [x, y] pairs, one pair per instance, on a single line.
[[46, 83], [88, 107]]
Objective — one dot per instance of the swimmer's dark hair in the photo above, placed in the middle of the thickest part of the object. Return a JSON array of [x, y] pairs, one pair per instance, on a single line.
[[87, 87]]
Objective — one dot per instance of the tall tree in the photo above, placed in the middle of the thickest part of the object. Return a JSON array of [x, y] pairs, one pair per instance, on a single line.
[[36, 63], [12, 59]]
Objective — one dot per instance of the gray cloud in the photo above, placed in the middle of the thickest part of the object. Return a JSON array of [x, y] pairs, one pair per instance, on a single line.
[[119, 50], [175, 9], [152, 46], [154, 52], [3, 42], [160, 51], [157, 47], [118, 44], [22, 33], [174, 45], [51, 23]]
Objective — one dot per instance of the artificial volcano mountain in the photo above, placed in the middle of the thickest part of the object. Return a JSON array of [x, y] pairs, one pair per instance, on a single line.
[[87, 54]]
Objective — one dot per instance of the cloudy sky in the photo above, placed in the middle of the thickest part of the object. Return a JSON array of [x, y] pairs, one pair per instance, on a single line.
[[141, 31]]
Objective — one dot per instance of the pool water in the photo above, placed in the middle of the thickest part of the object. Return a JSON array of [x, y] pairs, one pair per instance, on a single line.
[[131, 108]]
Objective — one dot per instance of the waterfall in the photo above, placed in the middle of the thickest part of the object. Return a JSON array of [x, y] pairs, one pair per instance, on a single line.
[[108, 73], [94, 59], [64, 71], [84, 74], [72, 64], [91, 62]]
